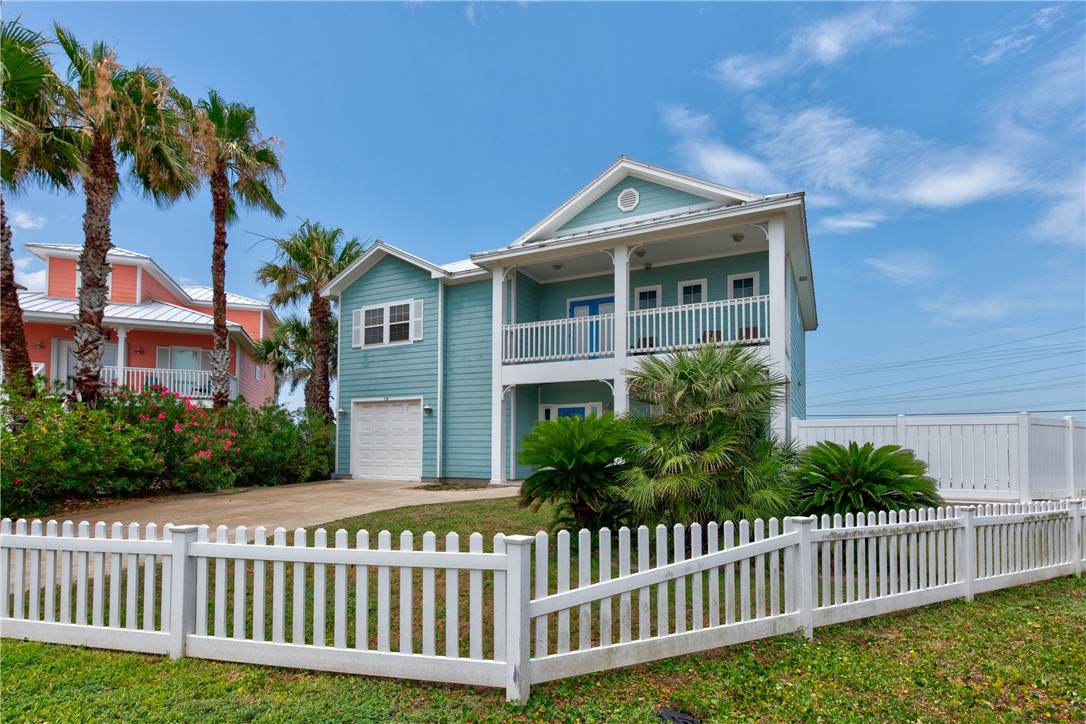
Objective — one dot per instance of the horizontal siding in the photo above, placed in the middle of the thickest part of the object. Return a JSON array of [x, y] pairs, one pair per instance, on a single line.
[[527, 415], [466, 416], [61, 278], [154, 290], [408, 370], [527, 292], [654, 199], [799, 355], [123, 284]]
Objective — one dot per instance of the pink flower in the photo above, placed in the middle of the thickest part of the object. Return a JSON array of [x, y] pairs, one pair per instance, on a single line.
[[161, 416], [177, 427], [143, 417]]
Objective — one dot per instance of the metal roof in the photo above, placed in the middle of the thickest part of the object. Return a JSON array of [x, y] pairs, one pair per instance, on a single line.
[[78, 248], [203, 294], [155, 313]]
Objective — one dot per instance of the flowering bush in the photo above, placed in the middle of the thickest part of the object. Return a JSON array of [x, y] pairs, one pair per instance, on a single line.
[[148, 441], [187, 447]]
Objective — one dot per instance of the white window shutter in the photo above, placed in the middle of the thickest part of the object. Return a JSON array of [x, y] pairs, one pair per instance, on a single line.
[[162, 358], [416, 321], [356, 328]]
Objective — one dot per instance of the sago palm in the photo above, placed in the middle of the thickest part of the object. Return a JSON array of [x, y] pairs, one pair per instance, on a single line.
[[240, 165], [860, 478], [120, 114], [707, 453], [305, 262], [36, 148]]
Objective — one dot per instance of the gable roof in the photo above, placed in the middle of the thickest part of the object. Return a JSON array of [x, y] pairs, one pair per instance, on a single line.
[[40, 251], [715, 195], [202, 294], [379, 250]]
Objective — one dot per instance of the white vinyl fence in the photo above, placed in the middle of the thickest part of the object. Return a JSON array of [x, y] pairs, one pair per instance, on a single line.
[[470, 617], [984, 458]]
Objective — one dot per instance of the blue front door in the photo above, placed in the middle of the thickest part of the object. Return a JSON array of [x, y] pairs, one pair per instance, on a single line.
[[586, 336]]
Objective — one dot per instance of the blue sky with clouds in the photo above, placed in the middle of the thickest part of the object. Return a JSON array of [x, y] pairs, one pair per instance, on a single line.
[[942, 147]]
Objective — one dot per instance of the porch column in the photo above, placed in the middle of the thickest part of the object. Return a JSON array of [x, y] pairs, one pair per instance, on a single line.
[[622, 302], [122, 354], [497, 405], [778, 314]]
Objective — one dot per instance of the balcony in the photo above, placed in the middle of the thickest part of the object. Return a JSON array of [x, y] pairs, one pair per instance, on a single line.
[[189, 383], [663, 329]]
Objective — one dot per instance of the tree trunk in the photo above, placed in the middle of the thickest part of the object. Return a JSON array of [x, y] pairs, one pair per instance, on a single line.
[[320, 314], [17, 370], [100, 185], [220, 355]]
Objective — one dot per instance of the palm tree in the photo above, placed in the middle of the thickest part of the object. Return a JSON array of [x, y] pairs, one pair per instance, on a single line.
[[289, 351], [35, 147], [305, 262], [707, 454], [239, 163], [119, 114]]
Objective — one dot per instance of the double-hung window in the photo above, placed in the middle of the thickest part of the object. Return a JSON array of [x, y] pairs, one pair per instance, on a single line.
[[741, 286], [647, 297], [693, 292], [387, 324]]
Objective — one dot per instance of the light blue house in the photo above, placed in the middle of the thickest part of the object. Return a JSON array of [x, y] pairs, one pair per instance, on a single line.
[[443, 368]]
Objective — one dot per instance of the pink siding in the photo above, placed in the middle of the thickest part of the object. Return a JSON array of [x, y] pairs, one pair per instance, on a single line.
[[44, 334], [256, 392], [154, 290], [124, 284], [61, 282], [249, 319]]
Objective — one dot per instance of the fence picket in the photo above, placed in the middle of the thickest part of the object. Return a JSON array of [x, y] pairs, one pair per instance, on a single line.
[[759, 572], [644, 612], [429, 617], [260, 539], [339, 609], [222, 535], [34, 596], [320, 590], [452, 601], [713, 536], [729, 575], [131, 582], [584, 578], [82, 560], [697, 605], [149, 568], [563, 586], [362, 595], [661, 588], [500, 618], [744, 573], [475, 602], [99, 568], [680, 583], [384, 594], [50, 575], [298, 612], [605, 575], [114, 603], [625, 600], [279, 596]]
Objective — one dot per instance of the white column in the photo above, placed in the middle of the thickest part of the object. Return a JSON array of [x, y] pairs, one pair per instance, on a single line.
[[122, 354], [497, 406], [778, 314], [622, 303]]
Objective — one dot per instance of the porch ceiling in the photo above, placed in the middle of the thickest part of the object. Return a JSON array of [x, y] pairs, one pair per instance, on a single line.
[[675, 249]]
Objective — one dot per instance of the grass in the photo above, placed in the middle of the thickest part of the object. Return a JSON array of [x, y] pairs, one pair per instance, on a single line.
[[1013, 655]]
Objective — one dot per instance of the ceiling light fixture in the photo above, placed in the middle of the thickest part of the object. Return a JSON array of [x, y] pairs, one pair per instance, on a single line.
[[737, 238]]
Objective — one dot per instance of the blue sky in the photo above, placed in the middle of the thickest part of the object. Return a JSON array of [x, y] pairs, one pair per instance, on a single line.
[[942, 147]]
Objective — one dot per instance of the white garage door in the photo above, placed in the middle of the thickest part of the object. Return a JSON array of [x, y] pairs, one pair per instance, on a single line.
[[387, 440]]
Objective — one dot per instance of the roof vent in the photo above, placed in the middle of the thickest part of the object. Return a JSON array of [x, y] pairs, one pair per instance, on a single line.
[[628, 199]]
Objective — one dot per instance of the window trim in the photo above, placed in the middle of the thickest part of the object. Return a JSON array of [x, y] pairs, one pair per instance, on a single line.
[[386, 323], [704, 291], [658, 288], [756, 276]]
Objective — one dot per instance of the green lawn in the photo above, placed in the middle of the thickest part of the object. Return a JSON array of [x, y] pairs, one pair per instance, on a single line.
[[1014, 655]]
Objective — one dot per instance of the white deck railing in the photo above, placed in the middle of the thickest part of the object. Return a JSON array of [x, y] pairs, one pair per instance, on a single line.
[[192, 383], [557, 339], [730, 321], [331, 602]]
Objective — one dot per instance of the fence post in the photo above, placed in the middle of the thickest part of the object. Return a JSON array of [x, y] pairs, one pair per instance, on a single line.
[[518, 549], [1070, 456], [901, 436], [1023, 458], [966, 549], [1075, 535], [182, 588], [803, 563]]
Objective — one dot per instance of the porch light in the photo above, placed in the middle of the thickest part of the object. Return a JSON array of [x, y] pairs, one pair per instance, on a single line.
[[428, 408], [737, 238], [557, 266], [639, 253], [138, 350], [39, 345]]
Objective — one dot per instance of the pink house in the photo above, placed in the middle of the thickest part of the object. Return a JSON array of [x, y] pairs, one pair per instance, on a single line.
[[160, 331]]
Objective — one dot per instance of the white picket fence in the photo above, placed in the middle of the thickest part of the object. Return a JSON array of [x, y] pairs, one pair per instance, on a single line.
[[470, 618], [983, 458]]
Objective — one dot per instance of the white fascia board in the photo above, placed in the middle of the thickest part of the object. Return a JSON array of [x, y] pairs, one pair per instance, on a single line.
[[620, 169], [368, 260], [757, 209]]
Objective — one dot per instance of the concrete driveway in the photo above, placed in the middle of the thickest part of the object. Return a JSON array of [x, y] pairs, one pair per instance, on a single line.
[[290, 506]]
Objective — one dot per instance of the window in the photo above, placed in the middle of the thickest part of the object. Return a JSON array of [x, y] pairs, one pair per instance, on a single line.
[[741, 286], [693, 292], [647, 297], [387, 324], [183, 358]]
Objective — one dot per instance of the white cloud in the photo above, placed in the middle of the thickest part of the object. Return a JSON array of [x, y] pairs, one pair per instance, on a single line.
[[964, 182], [190, 282], [25, 274], [469, 13], [826, 42], [1063, 222], [27, 219], [1021, 38], [907, 268], [712, 158], [851, 222]]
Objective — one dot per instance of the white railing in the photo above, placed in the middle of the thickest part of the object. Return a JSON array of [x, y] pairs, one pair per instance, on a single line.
[[558, 339], [732, 321], [192, 383], [1010, 457], [253, 598]]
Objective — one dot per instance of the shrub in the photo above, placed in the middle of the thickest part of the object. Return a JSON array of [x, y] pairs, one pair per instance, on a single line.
[[575, 470], [708, 454], [837, 480], [277, 447], [49, 454]]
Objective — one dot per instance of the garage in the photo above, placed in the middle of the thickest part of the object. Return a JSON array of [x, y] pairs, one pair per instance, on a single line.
[[386, 439]]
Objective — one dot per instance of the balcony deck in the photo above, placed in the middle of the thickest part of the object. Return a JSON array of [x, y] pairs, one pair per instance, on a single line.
[[663, 329], [190, 383]]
